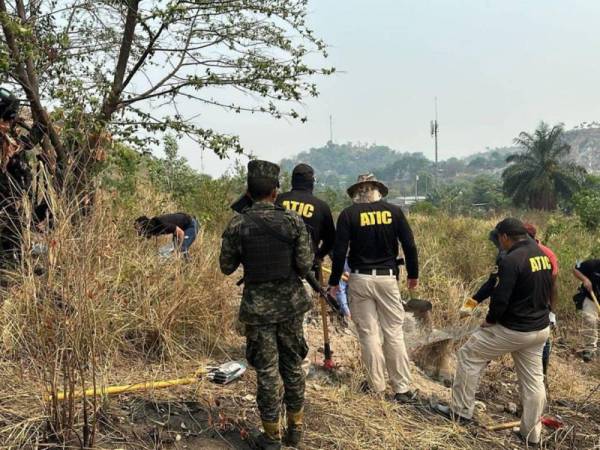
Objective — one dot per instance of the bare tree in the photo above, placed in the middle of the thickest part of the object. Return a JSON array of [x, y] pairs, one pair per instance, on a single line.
[[90, 69]]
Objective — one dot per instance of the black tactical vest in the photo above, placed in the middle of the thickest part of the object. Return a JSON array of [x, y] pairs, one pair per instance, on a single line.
[[267, 248]]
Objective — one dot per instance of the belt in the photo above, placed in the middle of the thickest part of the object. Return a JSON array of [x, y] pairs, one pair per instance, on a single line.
[[377, 272]]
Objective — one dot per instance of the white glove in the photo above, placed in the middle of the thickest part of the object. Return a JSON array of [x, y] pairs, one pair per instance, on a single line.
[[552, 317]]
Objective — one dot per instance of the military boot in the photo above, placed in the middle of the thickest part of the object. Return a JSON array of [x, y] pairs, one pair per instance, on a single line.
[[270, 439], [295, 423]]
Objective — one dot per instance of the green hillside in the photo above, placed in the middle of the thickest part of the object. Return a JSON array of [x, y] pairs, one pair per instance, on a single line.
[[337, 165]]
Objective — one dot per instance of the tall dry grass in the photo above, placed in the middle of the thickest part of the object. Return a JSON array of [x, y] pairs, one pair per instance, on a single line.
[[104, 298], [106, 302], [456, 257]]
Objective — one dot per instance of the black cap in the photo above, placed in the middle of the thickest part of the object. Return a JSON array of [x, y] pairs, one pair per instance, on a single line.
[[303, 169], [303, 172], [511, 227], [303, 176]]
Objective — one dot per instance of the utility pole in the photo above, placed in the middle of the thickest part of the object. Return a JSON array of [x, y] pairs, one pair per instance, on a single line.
[[434, 134], [416, 187], [331, 128]]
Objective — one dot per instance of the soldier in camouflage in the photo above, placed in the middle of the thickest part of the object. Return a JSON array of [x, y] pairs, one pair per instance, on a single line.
[[16, 176], [274, 247]]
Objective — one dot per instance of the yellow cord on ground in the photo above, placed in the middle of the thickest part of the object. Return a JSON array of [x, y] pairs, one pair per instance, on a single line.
[[125, 389]]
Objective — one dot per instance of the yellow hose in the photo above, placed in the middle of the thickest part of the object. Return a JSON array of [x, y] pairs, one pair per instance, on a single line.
[[137, 387]]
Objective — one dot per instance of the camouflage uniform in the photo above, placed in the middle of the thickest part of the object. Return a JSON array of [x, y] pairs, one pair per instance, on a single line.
[[273, 312], [15, 178]]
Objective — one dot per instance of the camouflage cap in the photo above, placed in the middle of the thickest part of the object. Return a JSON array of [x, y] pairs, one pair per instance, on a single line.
[[263, 169], [367, 178]]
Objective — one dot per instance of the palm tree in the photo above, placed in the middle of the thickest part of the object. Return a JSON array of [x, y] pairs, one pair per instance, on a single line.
[[540, 175]]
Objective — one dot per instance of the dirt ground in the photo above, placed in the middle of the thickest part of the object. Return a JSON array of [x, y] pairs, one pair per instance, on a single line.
[[219, 417], [339, 416]]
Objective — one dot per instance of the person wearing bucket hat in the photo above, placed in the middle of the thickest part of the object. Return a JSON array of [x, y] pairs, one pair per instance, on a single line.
[[274, 248], [367, 180], [372, 229], [517, 323]]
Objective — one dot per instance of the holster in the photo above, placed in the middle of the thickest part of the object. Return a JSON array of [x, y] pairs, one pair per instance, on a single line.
[[399, 262]]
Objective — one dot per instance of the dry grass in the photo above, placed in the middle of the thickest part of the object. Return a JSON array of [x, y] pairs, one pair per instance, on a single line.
[[108, 310], [105, 296]]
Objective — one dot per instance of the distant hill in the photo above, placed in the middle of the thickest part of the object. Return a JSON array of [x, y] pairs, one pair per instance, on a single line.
[[585, 146], [337, 165]]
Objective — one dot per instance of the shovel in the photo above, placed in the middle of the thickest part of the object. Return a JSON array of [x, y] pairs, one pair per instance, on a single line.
[[595, 299], [418, 306]]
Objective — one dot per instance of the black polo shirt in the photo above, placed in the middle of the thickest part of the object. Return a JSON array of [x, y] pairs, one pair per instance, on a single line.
[[372, 231], [521, 301], [591, 269], [167, 223]]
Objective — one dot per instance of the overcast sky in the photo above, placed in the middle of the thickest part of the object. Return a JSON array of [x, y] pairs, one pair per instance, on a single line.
[[496, 66]]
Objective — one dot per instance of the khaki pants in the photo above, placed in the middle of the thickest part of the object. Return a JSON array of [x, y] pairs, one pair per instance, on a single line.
[[526, 350], [589, 329], [378, 315]]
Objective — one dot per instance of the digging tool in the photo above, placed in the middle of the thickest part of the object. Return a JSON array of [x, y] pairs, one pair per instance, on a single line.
[[595, 299], [549, 421], [503, 426], [222, 374], [325, 299], [316, 286], [418, 306]]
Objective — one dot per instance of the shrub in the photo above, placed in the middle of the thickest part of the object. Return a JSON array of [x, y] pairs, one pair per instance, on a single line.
[[587, 207]]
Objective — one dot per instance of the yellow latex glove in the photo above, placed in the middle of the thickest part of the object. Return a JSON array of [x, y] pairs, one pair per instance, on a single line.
[[467, 307]]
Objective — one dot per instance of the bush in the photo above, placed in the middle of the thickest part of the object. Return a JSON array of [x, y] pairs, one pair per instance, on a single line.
[[425, 208], [587, 207]]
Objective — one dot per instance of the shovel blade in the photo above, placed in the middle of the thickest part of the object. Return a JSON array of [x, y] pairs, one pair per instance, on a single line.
[[415, 305]]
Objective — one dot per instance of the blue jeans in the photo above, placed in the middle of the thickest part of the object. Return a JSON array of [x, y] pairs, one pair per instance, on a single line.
[[190, 236]]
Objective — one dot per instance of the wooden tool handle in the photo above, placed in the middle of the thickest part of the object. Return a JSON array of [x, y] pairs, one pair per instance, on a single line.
[[595, 300], [503, 426]]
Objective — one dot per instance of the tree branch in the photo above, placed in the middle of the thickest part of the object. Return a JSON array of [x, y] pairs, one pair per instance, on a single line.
[[142, 59], [112, 100]]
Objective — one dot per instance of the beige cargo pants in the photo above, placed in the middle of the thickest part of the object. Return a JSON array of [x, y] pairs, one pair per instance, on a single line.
[[526, 350], [589, 329], [378, 315]]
